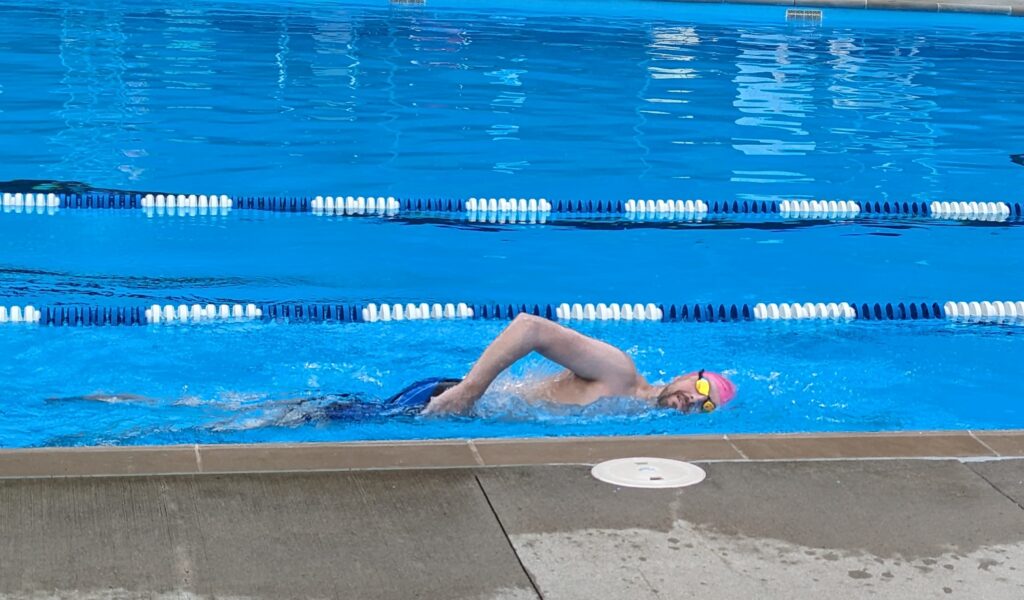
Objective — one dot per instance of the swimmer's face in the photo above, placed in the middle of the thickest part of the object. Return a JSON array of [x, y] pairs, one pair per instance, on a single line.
[[681, 394]]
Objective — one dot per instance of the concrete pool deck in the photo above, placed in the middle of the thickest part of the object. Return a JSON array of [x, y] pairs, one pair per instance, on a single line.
[[792, 516]]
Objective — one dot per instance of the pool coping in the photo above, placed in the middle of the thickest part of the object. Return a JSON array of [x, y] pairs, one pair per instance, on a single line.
[[1013, 8], [195, 459]]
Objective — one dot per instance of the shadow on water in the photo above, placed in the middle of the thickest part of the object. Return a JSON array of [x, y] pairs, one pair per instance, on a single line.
[[48, 186]]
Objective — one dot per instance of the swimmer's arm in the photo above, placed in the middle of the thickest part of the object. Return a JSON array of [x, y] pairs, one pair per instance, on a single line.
[[587, 357]]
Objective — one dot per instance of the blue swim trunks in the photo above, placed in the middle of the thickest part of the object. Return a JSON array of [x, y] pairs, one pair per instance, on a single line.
[[408, 402]]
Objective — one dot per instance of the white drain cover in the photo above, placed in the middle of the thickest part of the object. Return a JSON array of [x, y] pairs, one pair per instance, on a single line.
[[642, 472]]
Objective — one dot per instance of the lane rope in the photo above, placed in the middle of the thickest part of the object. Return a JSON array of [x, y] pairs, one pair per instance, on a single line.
[[527, 209], [1002, 311]]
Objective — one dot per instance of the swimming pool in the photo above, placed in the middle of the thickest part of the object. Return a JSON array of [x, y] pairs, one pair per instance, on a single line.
[[218, 384], [593, 100], [564, 100]]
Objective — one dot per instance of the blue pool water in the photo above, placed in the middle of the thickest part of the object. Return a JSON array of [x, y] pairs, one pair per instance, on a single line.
[[596, 100], [118, 257], [224, 383], [591, 100]]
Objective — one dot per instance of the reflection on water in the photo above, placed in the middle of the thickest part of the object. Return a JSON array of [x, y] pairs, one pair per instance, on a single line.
[[773, 92], [100, 106], [414, 100]]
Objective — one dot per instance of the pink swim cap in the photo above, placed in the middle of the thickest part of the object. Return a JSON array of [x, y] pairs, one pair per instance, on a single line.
[[722, 390]]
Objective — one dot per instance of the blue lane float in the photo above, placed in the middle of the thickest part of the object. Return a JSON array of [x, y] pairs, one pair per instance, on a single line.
[[297, 312], [475, 208]]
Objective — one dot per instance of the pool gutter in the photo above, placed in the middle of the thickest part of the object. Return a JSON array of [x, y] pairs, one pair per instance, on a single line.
[[472, 453]]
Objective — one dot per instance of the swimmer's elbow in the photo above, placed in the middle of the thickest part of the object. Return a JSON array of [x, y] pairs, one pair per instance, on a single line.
[[550, 339], [530, 327], [526, 320]]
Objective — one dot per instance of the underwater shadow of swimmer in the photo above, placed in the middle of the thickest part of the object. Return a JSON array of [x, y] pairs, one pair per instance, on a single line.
[[49, 186]]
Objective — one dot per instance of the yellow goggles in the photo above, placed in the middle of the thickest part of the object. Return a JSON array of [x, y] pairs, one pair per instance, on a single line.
[[703, 387]]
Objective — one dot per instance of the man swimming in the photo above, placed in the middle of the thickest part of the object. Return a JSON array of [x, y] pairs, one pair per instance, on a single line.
[[594, 370]]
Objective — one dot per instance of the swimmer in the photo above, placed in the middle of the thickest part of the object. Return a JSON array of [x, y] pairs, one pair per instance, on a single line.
[[322, 407], [593, 370], [291, 411]]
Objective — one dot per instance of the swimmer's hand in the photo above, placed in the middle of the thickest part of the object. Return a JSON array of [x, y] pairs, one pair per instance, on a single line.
[[458, 400]]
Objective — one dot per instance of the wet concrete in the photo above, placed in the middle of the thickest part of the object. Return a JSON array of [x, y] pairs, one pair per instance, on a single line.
[[780, 530], [850, 529], [886, 508]]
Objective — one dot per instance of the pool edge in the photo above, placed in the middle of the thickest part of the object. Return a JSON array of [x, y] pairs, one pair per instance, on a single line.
[[1010, 8], [496, 452]]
